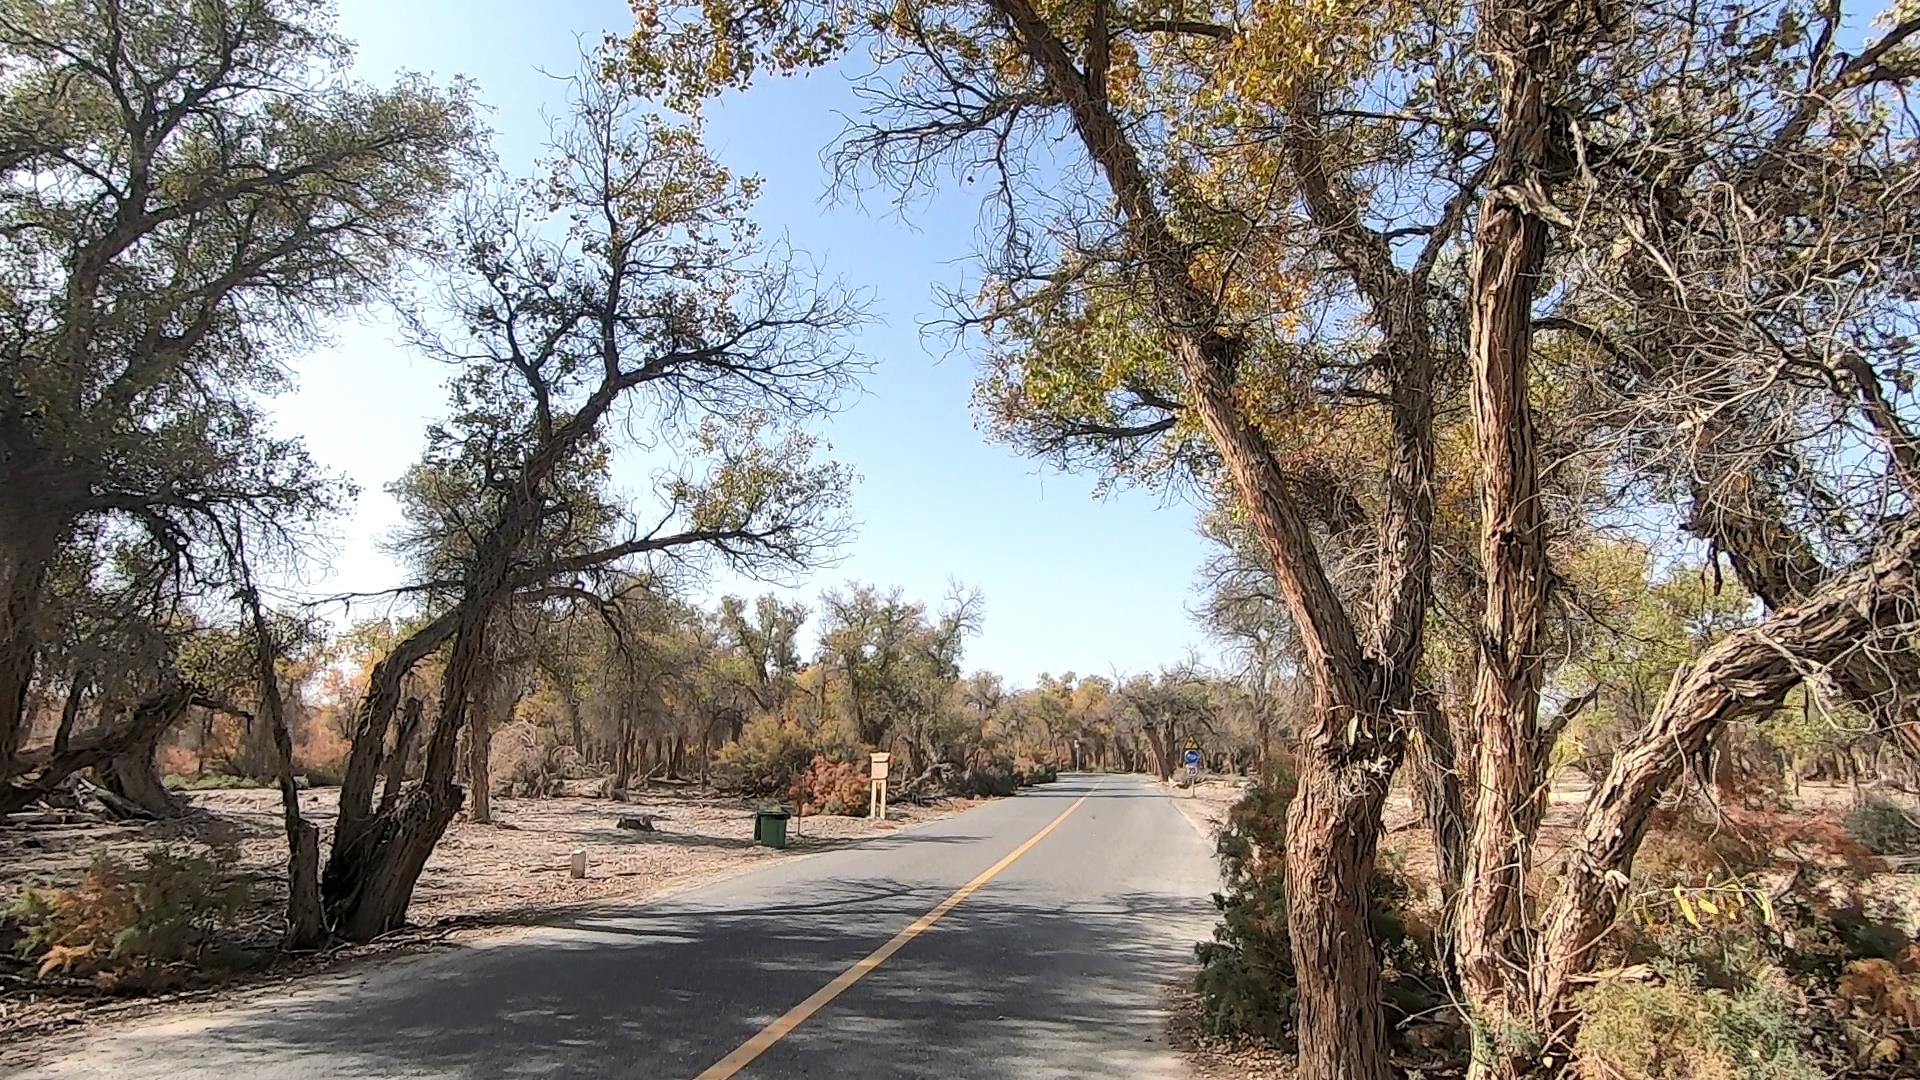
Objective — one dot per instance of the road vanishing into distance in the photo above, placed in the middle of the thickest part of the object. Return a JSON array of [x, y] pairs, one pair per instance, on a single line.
[[1029, 937]]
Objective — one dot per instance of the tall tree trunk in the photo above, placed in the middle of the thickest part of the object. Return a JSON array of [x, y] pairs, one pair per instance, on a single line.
[[578, 740], [1491, 922], [1352, 744], [623, 755], [28, 543], [306, 920], [480, 769], [491, 709]]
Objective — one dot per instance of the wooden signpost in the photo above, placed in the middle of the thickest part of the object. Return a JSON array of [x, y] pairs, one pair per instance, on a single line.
[[877, 794]]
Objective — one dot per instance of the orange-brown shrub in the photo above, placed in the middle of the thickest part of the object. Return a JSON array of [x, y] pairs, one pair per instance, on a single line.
[[830, 787], [129, 923]]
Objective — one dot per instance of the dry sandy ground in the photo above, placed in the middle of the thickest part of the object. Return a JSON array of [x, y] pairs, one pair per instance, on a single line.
[[1206, 804], [513, 872]]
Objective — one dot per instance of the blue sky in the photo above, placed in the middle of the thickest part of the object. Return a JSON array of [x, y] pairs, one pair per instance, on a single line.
[[1071, 582]]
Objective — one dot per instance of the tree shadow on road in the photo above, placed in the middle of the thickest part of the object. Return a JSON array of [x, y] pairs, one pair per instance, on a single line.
[[1010, 984]]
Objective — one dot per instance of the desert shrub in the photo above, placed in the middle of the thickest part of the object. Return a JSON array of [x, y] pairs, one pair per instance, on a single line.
[[1883, 826], [1031, 773], [1679, 1029], [767, 757], [830, 787], [1246, 978], [987, 779], [125, 919]]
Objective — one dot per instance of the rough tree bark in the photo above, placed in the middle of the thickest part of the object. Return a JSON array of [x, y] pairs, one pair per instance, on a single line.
[[377, 706], [1489, 921], [306, 920], [481, 725], [27, 547]]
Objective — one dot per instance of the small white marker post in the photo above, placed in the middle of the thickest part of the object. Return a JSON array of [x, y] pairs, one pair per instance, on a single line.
[[877, 793], [579, 868]]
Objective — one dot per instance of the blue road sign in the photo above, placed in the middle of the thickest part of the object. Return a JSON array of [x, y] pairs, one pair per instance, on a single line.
[[1193, 757]]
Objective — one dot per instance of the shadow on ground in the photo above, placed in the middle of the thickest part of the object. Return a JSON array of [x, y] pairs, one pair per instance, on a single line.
[[1012, 986]]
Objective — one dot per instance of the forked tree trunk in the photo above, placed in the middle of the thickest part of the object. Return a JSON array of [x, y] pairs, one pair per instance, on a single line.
[[371, 874], [396, 766], [369, 884], [375, 714]]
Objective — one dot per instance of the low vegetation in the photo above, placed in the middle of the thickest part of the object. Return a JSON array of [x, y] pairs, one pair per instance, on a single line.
[[140, 923]]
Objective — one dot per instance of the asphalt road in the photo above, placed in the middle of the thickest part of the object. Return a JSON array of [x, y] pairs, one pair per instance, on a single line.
[[1053, 968]]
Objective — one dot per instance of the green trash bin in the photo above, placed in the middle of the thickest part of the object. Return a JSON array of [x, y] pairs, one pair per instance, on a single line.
[[770, 828]]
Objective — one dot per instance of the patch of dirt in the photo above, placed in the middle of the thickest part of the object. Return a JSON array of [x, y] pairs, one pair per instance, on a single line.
[[1216, 1057], [513, 872], [1206, 803]]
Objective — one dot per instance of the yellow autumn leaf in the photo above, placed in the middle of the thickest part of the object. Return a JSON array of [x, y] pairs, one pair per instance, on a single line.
[[1707, 906], [1686, 907]]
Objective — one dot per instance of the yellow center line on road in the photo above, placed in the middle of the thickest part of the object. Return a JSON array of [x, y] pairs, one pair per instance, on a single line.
[[794, 1017]]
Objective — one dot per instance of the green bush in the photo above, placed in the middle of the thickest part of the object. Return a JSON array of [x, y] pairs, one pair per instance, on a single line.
[[988, 780], [124, 919], [1679, 1029], [1246, 979], [1883, 826]]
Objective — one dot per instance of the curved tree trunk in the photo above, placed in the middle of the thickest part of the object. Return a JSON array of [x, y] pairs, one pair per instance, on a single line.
[[133, 773], [150, 719]]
